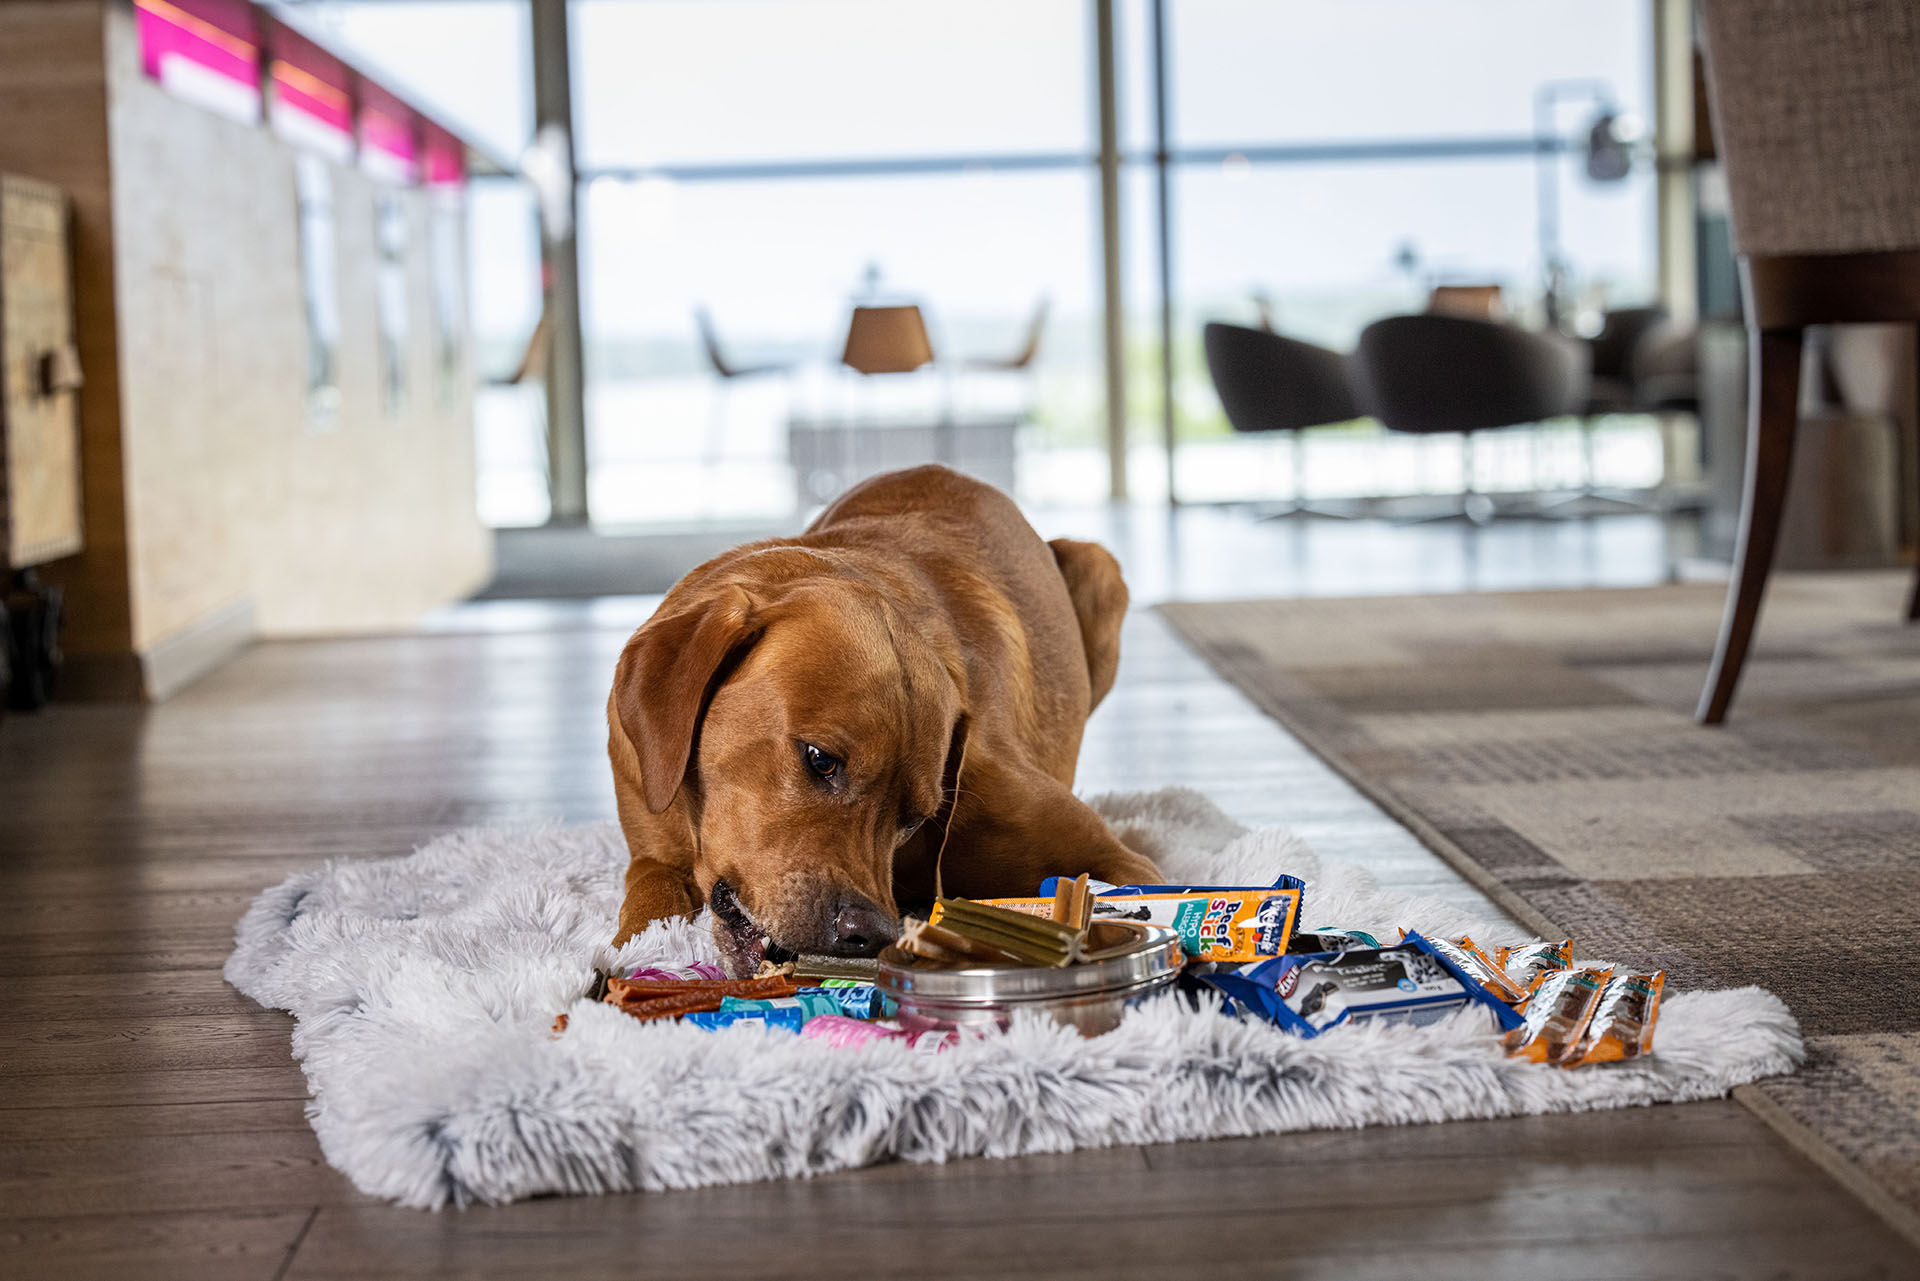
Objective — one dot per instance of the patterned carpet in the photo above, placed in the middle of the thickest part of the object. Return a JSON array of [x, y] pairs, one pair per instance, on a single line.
[[1544, 744]]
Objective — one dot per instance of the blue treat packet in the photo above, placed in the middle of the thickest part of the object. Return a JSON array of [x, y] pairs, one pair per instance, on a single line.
[[1409, 982], [857, 999], [789, 1013]]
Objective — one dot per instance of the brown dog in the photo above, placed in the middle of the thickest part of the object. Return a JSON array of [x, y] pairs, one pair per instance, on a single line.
[[804, 721]]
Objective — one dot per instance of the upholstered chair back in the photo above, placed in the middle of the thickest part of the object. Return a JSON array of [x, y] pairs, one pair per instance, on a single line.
[[1816, 116]]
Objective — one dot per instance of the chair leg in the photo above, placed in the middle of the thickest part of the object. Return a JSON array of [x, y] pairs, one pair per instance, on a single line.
[[1772, 410], [1913, 598]]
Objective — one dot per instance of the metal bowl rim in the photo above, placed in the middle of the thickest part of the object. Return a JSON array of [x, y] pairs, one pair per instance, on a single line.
[[1156, 958]]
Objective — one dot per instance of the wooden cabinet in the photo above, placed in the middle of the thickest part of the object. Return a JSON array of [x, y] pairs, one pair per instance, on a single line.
[[40, 369]]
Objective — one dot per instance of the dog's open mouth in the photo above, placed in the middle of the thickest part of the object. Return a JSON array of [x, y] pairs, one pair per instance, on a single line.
[[744, 943]]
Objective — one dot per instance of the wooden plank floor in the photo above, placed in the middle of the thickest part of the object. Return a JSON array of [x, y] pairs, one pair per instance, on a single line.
[[151, 1119]]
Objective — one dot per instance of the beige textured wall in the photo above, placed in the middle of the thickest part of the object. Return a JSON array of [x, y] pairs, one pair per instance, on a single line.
[[230, 494]]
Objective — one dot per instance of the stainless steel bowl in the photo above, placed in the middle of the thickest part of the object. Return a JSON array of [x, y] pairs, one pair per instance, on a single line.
[[1092, 997]]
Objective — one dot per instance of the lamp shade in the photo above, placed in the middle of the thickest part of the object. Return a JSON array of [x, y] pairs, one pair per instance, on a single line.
[[887, 340]]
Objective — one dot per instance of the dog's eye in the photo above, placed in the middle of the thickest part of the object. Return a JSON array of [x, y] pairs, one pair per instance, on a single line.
[[824, 764]]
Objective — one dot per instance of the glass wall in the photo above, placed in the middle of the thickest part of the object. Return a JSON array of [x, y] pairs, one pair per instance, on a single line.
[[826, 154], [767, 164], [1331, 163]]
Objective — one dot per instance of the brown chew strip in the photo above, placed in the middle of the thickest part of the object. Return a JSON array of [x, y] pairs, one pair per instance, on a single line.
[[620, 991], [662, 1007], [664, 998]]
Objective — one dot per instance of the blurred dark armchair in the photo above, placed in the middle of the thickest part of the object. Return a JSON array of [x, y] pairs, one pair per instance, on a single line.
[[1453, 374], [1269, 383]]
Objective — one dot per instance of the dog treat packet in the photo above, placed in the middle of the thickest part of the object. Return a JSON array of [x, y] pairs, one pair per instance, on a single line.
[[1234, 923], [788, 1013], [1469, 956], [856, 1000], [1529, 961], [1622, 1023], [1325, 938], [1308, 993], [695, 972], [1556, 1013], [845, 1033]]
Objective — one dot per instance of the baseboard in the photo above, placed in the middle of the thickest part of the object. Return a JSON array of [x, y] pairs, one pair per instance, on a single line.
[[100, 678], [171, 665]]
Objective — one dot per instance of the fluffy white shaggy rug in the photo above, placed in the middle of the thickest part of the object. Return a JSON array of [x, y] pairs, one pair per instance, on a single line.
[[425, 987]]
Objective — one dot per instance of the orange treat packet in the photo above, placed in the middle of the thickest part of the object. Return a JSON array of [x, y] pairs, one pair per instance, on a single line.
[[1473, 959], [1529, 961], [1622, 1023], [1556, 1013]]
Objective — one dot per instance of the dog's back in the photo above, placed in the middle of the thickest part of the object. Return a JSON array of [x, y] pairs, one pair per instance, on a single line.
[[1060, 603]]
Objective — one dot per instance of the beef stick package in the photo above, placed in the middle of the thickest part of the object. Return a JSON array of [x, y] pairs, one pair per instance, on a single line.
[[1622, 1023], [1235, 923], [1556, 1014]]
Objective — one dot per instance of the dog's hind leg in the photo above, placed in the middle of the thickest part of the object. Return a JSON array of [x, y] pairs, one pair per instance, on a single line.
[[1015, 825], [1099, 597], [654, 893]]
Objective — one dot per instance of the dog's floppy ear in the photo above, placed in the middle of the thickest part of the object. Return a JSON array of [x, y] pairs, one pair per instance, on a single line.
[[661, 683]]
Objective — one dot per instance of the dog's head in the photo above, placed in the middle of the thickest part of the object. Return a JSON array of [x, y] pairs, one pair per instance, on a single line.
[[810, 729]]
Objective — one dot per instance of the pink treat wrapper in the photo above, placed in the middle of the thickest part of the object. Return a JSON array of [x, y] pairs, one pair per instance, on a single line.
[[681, 974], [845, 1033]]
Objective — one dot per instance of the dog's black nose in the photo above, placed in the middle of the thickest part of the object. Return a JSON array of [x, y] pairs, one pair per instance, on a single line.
[[860, 928]]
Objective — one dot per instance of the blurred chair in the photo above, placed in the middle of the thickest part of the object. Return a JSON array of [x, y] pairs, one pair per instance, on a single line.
[[531, 370], [1816, 115], [710, 341], [1432, 374], [1020, 360], [728, 372], [1018, 366], [1612, 388], [1268, 383]]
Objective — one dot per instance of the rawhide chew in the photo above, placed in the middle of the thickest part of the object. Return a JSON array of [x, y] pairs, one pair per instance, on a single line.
[[813, 967], [943, 946], [1073, 902], [1410, 982], [1622, 1023], [1469, 956], [1556, 1013], [1029, 939], [1529, 961]]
